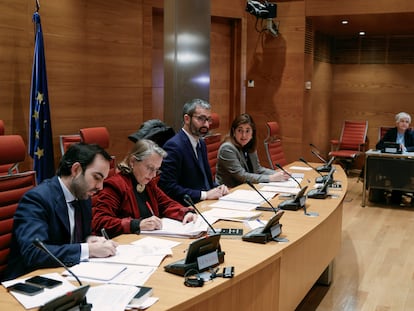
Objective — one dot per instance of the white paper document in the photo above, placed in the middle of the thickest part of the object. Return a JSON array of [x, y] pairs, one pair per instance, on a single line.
[[96, 271], [175, 228], [110, 297], [247, 196], [232, 215], [48, 293], [280, 189], [290, 183], [135, 255], [241, 206]]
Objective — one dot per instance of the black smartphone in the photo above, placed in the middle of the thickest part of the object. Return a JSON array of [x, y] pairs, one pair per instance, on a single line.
[[25, 288], [44, 282]]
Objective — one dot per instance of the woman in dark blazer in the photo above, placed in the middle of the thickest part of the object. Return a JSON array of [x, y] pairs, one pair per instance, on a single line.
[[401, 133]]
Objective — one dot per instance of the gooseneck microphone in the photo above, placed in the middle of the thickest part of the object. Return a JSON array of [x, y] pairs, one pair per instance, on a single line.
[[267, 201], [189, 201], [289, 174], [320, 179], [69, 299], [39, 244]]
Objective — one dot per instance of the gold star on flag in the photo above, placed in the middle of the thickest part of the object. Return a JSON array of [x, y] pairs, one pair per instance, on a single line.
[[39, 153], [39, 97]]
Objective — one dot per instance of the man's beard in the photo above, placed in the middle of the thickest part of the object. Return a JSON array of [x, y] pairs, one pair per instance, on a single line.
[[200, 132]]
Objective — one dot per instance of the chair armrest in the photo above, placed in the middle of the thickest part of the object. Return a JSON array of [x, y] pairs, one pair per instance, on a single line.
[[334, 144]]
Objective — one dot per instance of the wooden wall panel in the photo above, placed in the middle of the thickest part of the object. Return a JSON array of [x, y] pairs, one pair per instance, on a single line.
[[277, 67], [371, 92], [339, 7]]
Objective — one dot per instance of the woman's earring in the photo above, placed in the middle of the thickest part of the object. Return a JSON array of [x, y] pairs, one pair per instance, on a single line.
[[140, 188]]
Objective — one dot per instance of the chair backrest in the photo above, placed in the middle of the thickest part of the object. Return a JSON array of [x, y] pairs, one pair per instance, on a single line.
[[95, 135], [353, 135], [213, 142], [382, 130], [12, 151], [100, 136], [12, 188], [65, 141], [1, 127], [273, 145]]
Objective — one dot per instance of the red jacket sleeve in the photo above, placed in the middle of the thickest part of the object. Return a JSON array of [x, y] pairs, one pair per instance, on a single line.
[[116, 205]]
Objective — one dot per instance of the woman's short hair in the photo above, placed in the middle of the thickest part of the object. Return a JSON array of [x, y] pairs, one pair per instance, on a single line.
[[244, 118], [402, 115], [141, 150]]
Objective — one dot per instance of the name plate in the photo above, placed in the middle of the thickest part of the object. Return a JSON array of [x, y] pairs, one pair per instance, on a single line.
[[207, 260]]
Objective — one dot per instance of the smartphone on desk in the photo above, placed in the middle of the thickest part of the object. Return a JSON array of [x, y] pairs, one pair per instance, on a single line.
[[44, 282], [25, 288]]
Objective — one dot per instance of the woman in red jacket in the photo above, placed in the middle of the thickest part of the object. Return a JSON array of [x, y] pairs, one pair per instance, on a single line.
[[131, 201]]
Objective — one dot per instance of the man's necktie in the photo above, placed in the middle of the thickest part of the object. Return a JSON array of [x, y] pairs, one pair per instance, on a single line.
[[201, 162], [78, 232]]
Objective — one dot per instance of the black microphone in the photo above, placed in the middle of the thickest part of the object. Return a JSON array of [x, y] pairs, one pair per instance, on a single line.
[[290, 175], [299, 200], [189, 201], [267, 201], [321, 179], [66, 299], [318, 156]]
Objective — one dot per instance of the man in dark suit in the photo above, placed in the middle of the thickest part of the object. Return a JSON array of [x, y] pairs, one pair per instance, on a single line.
[[185, 170], [58, 212]]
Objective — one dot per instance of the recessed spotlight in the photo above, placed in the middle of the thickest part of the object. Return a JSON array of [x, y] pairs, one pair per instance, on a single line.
[[344, 22], [362, 33]]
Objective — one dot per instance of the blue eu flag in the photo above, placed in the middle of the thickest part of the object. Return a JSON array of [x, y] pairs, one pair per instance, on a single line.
[[40, 135]]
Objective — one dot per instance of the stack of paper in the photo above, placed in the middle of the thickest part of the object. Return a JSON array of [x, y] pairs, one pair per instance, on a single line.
[[175, 228], [247, 196]]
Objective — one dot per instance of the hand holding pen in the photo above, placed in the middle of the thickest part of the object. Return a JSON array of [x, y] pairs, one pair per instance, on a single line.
[[150, 223]]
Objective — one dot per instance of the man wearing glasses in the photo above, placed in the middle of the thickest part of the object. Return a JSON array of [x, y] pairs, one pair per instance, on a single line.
[[185, 170]]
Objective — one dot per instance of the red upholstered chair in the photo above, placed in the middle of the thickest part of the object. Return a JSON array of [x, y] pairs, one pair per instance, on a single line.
[[1, 127], [100, 136], [351, 143], [65, 141], [382, 130], [273, 145], [12, 151], [12, 187], [213, 142]]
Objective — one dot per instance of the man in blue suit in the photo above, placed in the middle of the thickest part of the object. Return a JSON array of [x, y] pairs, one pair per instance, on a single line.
[[58, 212], [185, 170]]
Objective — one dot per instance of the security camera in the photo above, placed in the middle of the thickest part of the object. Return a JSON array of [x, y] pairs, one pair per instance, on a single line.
[[264, 11]]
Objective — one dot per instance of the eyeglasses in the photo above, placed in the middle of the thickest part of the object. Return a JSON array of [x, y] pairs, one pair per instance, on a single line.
[[152, 170], [148, 167], [204, 119]]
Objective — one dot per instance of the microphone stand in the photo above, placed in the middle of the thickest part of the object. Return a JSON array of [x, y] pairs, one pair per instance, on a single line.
[[189, 201], [318, 180], [299, 200], [58, 302], [267, 201]]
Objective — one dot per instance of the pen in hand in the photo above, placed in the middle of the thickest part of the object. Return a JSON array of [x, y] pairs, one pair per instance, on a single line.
[[104, 234]]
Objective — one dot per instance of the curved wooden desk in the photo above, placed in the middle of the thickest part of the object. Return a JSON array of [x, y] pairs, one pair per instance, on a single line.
[[272, 276]]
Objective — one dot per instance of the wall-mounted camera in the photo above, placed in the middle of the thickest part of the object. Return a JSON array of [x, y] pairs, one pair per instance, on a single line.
[[266, 12]]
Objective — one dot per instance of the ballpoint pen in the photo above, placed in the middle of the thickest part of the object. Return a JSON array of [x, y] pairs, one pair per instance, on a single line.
[[149, 207], [104, 234]]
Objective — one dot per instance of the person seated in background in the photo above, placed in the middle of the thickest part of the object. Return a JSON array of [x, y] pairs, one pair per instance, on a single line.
[[237, 156], [401, 133], [131, 200], [404, 136], [186, 170], [58, 213]]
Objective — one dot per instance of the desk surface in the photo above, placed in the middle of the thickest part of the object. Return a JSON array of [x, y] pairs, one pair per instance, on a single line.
[[272, 276]]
